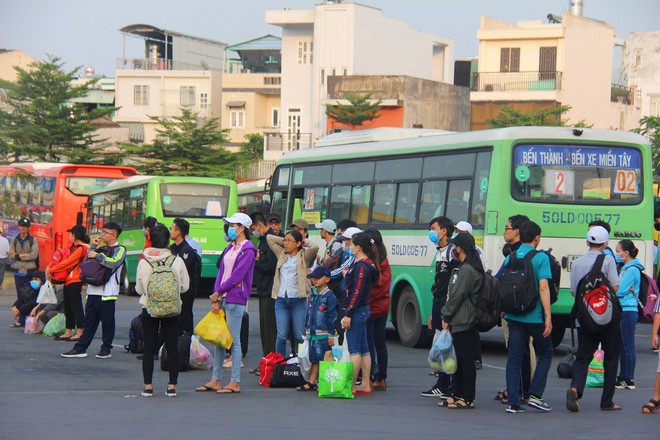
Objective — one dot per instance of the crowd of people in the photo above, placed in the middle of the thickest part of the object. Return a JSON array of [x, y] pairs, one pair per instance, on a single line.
[[342, 292]]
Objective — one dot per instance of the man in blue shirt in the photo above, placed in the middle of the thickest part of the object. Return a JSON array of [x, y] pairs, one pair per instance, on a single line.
[[537, 324]]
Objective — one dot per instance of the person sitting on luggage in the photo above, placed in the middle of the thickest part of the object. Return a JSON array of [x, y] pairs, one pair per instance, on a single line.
[[46, 312], [27, 300], [320, 322]]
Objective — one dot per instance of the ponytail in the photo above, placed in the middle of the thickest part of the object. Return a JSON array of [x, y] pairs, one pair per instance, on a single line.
[[369, 247]]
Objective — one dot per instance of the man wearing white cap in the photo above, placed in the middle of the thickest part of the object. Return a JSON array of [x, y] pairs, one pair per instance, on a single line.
[[597, 238]]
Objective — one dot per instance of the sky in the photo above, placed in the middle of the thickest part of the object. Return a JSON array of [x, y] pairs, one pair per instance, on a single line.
[[86, 32]]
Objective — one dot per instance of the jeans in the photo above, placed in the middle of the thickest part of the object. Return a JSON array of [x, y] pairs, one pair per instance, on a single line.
[[628, 357], [289, 313], [97, 310], [519, 334], [377, 347], [170, 329], [234, 316], [357, 334]]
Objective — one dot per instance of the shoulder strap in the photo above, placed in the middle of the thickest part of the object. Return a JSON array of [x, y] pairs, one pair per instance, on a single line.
[[171, 259], [598, 264], [531, 254]]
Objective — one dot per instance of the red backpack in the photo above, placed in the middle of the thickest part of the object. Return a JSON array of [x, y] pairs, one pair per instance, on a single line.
[[60, 255]]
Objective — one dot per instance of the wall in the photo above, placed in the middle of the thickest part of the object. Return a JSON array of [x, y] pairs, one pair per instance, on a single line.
[[644, 74], [198, 53], [11, 59], [482, 110]]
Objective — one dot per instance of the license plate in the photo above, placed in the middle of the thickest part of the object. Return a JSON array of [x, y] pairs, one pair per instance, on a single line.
[[569, 262]]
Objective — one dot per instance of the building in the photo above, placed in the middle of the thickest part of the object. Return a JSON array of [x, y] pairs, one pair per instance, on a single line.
[[10, 59], [534, 64], [343, 39], [176, 71], [641, 67]]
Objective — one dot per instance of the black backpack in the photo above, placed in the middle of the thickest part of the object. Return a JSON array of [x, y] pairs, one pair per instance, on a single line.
[[518, 288], [555, 270], [596, 305], [487, 304], [135, 341]]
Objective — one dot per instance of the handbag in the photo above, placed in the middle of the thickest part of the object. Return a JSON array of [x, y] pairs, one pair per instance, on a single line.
[[336, 379], [286, 375], [47, 294]]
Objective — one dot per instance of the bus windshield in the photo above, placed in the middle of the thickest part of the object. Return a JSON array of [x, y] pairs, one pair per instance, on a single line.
[[572, 174], [194, 200], [84, 186]]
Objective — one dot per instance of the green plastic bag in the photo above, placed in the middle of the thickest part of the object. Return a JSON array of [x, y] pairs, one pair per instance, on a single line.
[[336, 379], [595, 374], [56, 326]]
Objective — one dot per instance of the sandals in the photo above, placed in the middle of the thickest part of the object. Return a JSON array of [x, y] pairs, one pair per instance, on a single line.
[[308, 387], [16, 325], [460, 403], [651, 407]]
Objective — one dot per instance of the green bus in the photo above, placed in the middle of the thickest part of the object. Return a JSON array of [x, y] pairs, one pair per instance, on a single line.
[[203, 201], [253, 196], [561, 177]]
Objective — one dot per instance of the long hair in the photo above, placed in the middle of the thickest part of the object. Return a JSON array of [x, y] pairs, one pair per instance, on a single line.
[[466, 242], [368, 246]]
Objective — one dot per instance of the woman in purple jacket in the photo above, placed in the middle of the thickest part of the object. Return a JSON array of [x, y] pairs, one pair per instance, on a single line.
[[232, 291]]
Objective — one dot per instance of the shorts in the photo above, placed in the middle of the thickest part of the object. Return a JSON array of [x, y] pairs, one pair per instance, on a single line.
[[317, 350], [356, 336]]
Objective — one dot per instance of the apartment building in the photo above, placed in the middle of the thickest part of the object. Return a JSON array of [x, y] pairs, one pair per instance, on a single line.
[[640, 66]]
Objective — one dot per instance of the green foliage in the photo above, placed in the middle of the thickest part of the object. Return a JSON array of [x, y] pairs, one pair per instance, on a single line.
[[356, 113], [252, 149], [186, 147], [509, 117], [40, 125], [8, 206], [649, 126]]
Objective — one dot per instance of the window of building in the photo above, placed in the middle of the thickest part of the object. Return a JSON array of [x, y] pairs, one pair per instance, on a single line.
[[275, 117], [510, 59], [187, 96], [272, 80], [322, 76], [203, 100], [237, 119], [305, 49], [638, 58], [654, 103], [140, 95]]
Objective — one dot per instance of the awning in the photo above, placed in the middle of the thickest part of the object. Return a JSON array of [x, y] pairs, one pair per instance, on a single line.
[[236, 104]]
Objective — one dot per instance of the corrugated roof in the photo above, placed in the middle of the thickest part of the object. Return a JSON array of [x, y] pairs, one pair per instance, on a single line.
[[96, 97], [267, 42], [153, 33]]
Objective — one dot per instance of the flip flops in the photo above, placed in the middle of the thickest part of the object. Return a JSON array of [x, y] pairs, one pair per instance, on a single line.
[[227, 390], [206, 388]]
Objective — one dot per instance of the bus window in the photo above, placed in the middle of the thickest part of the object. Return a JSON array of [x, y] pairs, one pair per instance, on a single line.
[[350, 202], [314, 203], [433, 200], [194, 200], [406, 202], [457, 200], [480, 189], [398, 169], [360, 202], [340, 202], [353, 172], [383, 210], [279, 204], [318, 174], [449, 165], [84, 186]]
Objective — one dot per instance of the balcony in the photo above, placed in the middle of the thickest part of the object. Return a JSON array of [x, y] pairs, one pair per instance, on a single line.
[[515, 81], [624, 94], [159, 64], [287, 141]]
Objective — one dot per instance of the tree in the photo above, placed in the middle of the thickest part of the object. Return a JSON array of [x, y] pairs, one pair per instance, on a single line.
[[252, 149], [649, 126], [184, 146], [43, 123], [508, 117], [357, 112]]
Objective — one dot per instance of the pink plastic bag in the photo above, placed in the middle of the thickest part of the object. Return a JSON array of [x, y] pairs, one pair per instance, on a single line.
[[200, 357], [33, 325]]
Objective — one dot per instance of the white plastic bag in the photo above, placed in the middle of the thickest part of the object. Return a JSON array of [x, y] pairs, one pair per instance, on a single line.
[[442, 356], [345, 355], [200, 357], [47, 294], [304, 361]]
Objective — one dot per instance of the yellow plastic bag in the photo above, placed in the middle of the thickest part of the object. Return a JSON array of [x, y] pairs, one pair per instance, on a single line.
[[213, 328]]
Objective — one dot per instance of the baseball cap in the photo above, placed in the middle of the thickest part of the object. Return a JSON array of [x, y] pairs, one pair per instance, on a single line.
[[464, 226], [319, 271], [597, 235], [327, 224], [78, 230], [241, 218], [304, 224], [273, 217], [24, 222], [348, 234]]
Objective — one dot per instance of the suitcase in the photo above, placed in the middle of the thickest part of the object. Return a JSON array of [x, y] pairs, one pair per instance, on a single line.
[[245, 332]]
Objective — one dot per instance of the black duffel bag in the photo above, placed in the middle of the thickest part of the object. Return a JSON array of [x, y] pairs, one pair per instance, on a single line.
[[183, 343], [286, 375], [565, 366]]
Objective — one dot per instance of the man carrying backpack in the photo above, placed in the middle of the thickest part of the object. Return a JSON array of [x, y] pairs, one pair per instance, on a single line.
[[100, 305], [525, 276], [589, 337], [24, 250]]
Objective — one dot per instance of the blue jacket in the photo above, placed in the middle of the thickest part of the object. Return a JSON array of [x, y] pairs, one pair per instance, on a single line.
[[321, 313], [629, 282]]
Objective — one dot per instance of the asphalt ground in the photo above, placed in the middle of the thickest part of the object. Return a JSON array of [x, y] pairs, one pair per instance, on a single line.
[[45, 396]]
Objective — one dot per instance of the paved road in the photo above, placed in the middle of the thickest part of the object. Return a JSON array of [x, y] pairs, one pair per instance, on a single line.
[[44, 396]]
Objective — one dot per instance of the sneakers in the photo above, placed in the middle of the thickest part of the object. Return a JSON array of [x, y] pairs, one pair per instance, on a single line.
[[103, 354], [171, 392], [477, 364], [538, 403], [148, 393], [624, 384], [73, 353], [572, 401], [515, 409], [435, 392]]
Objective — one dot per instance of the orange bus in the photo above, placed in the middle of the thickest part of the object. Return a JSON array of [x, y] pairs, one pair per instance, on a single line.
[[52, 200]]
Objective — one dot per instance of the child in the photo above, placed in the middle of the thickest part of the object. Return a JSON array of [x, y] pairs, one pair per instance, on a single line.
[[27, 300], [320, 322]]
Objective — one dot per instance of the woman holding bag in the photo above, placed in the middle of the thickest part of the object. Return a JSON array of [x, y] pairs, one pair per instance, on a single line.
[[73, 307], [233, 286]]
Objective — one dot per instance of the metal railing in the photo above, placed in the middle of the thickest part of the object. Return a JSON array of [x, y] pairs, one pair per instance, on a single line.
[[159, 64], [287, 141], [624, 94], [255, 170], [515, 81]]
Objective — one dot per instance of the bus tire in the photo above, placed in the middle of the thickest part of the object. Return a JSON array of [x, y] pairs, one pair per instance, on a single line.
[[408, 320], [559, 325], [126, 287]]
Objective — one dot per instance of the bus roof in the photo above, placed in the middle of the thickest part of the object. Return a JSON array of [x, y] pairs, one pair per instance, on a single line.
[[376, 135], [137, 180], [474, 138], [50, 168], [251, 185]]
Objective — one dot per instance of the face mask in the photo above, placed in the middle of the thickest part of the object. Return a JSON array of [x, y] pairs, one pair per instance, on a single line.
[[349, 250], [231, 232], [657, 226], [433, 236], [35, 284], [618, 258], [144, 232], [454, 254]]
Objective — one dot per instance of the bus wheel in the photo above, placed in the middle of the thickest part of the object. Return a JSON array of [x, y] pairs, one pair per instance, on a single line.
[[126, 287], [558, 331], [408, 320]]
